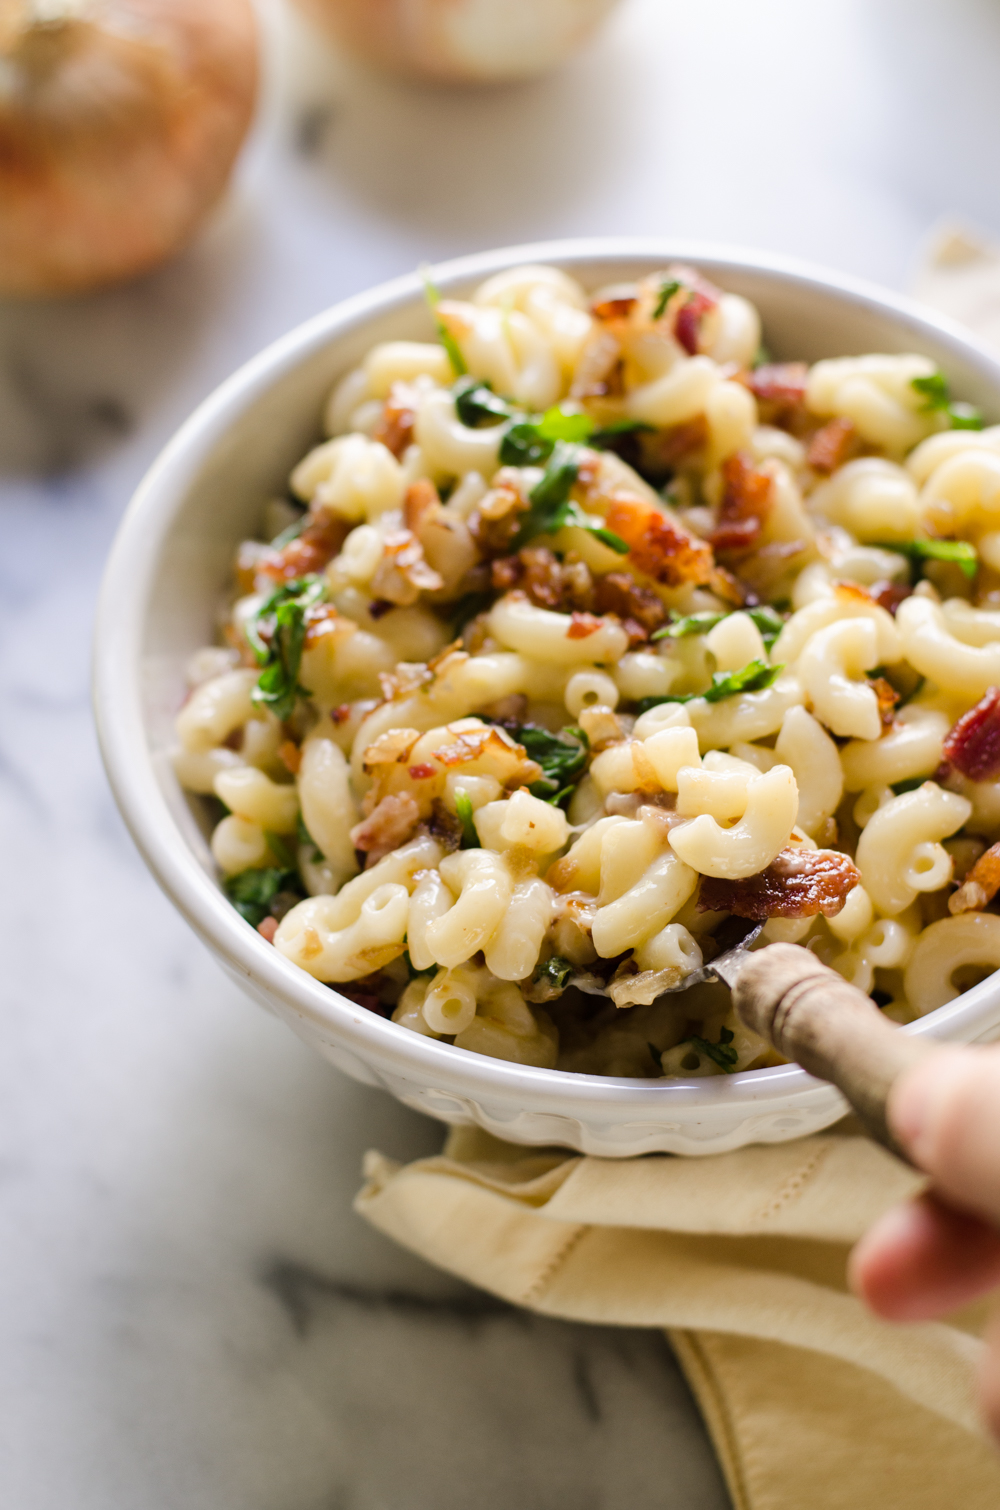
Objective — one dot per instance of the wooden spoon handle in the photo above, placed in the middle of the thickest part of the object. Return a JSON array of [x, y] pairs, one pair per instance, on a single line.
[[812, 1015]]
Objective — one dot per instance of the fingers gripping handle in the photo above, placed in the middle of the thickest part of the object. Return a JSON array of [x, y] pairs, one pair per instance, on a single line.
[[812, 1015]]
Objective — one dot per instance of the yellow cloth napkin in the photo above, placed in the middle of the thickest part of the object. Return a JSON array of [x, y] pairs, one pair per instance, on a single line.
[[810, 1401]]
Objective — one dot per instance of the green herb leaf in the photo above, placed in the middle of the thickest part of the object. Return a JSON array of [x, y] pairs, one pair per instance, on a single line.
[[252, 891], [762, 356], [769, 622], [463, 807], [755, 676], [433, 296], [555, 424], [919, 552], [523, 446], [552, 508], [683, 626], [530, 442], [555, 971], [668, 288], [722, 1053], [936, 394], [476, 404], [276, 634], [561, 756]]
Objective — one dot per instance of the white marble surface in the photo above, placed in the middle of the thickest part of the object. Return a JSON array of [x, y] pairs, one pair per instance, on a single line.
[[190, 1315]]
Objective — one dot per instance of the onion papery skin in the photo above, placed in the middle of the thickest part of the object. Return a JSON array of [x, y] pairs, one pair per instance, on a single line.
[[461, 41], [119, 127]]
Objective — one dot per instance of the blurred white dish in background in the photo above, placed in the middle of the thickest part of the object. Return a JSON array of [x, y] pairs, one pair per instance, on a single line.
[[159, 602], [461, 41]]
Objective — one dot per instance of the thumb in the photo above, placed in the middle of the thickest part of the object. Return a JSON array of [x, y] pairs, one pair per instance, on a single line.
[[945, 1112]]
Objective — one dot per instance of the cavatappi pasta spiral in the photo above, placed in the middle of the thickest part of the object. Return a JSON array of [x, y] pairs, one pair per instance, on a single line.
[[589, 627]]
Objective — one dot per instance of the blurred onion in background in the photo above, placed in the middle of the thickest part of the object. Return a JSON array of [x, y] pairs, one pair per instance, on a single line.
[[461, 41], [120, 121]]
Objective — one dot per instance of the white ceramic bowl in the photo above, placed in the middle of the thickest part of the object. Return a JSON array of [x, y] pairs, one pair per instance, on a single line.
[[172, 557]]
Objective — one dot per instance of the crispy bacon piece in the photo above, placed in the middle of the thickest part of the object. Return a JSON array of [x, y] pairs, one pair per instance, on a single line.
[[980, 885], [780, 383], [581, 625], [831, 446], [505, 573], [889, 595], [887, 696], [395, 428], [798, 884], [495, 523], [687, 325], [659, 545], [309, 552], [422, 772], [634, 605], [746, 503], [972, 745], [614, 309], [387, 826], [267, 928]]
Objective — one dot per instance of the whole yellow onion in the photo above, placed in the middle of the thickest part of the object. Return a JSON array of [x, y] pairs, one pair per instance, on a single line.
[[461, 40], [119, 124]]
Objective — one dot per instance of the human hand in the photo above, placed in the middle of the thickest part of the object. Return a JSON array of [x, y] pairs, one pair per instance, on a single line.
[[942, 1250]]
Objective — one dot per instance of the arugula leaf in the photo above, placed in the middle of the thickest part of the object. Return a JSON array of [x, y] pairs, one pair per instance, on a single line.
[[762, 357], [463, 807], [252, 891], [552, 508], [722, 1053], [523, 446], [668, 288], [755, 676], [530, 442], [433, 297], [276, 634], [683, 626], [556, 971], [918, 552], [476, 404], [555, 424], [561, 756], [766, 619], [935, 392]]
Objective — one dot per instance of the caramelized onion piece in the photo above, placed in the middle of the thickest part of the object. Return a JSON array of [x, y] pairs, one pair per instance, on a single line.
[[119, 124], [798, 884], [980, 885]]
